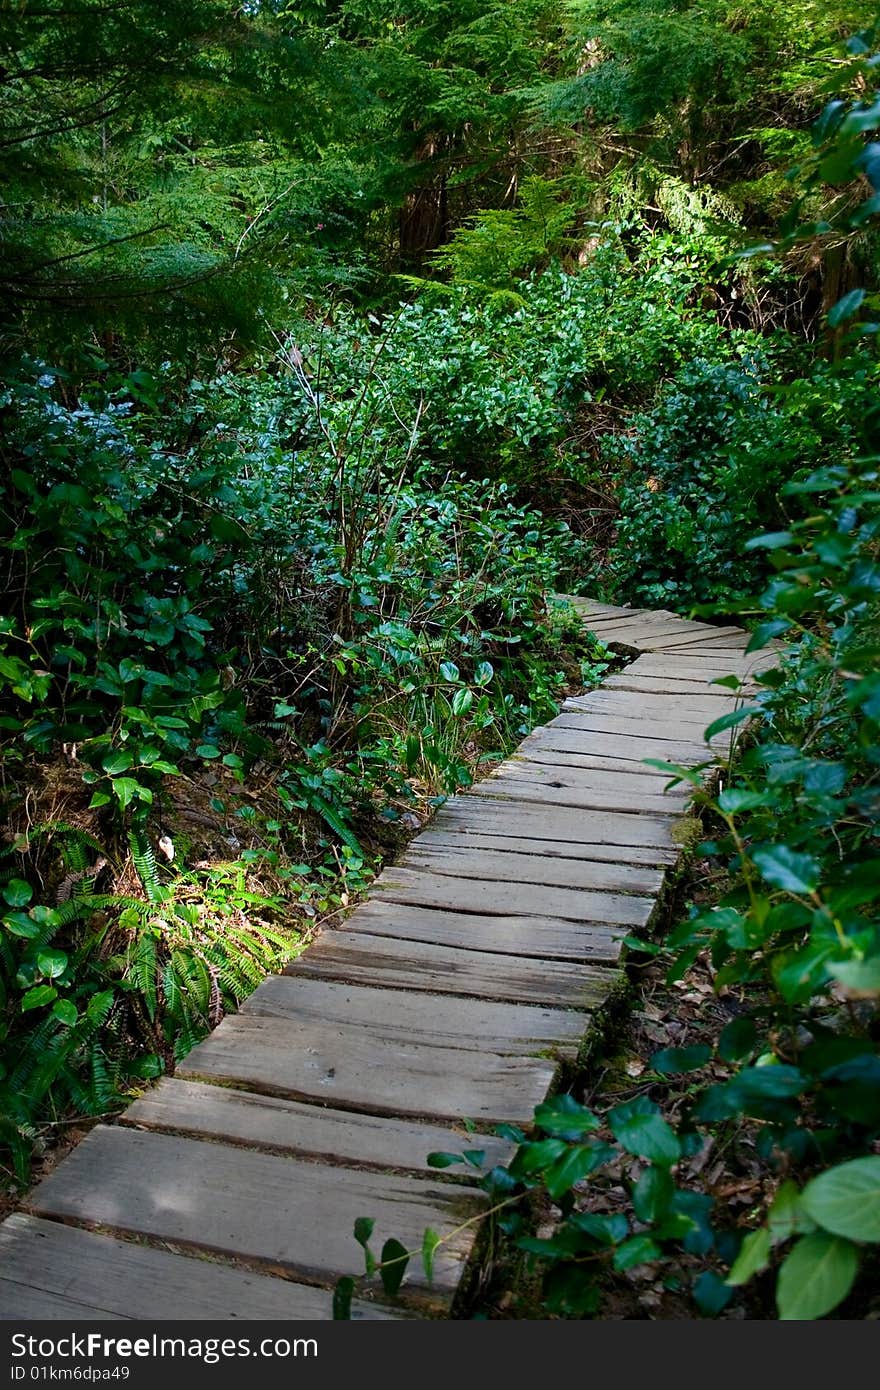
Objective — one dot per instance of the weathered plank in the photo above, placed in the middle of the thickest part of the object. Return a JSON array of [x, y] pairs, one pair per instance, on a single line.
[[463, 861], [633, 782], [479, 895], [651, 625], [365, 959], [591, 607], [644, 629], [634, 728], [622, 797], [720, 637], [637, 683], [496, 816], [594, 851], [385, 1013], [573, 740], [574, 762], [364, 1068], [694, 667], [287, 1126], [61, 1272], [684, 709], [545, 938], [281, 1213]]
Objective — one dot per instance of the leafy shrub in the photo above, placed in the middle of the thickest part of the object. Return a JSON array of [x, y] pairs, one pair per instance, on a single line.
[[707, 465], [198, 588]]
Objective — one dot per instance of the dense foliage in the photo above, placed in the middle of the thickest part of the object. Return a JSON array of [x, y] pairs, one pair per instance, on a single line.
[[792, 940]]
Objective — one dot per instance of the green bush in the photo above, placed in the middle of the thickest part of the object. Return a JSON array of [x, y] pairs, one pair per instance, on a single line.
[[706, 467]]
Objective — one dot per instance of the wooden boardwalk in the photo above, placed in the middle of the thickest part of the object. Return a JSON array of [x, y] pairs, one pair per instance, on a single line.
[[454, 993]]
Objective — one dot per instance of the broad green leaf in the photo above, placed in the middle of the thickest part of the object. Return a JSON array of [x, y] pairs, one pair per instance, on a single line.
[[672, 1060], [815, 1276], [860, 976], [786, 868], [734, 800], [36, 998], [438, 1159], [20, 924], [17, 893], [126, 789], [51, 963], [711, 1293], [639, 1250], [786, 1216], [652, 1194], [569, 1169], [641, 1129], [730, 721], [754, 1256], [737, 1040], [363, 1229], [395, 1259], [462, 701], [846, 1199], [564, 1115], [484, 673], [538, 1156], [116, 762], [65, 1011], [849, 304]]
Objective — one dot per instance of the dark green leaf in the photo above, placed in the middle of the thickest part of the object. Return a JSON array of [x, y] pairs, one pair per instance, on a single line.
[[342, 1295], [641, 1129], [672, 1060], [17, 893], [36, 998], [392, 1268], [639, 1250]]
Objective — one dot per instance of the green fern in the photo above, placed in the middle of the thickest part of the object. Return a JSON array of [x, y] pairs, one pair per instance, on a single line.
[[145, 862]]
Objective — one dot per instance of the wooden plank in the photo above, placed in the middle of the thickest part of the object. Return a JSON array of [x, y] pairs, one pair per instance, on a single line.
[[623, 797], [288, 1126], [696, 668], [363, 1069], [464, 861], [691, 712], [563, 824], [543, 938], [633, 632], [664, 685], [570, 740], [50, 1270], [574, 762], [517, 899], [679, 642], [655, 625], [625, 724], [280, 1213], [376, 960], [590, 607], [401, 1018], [634, 782], [590, 852], [708, 642]]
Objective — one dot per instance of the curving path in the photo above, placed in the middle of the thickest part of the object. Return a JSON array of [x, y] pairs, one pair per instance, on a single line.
[[455, 992]]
